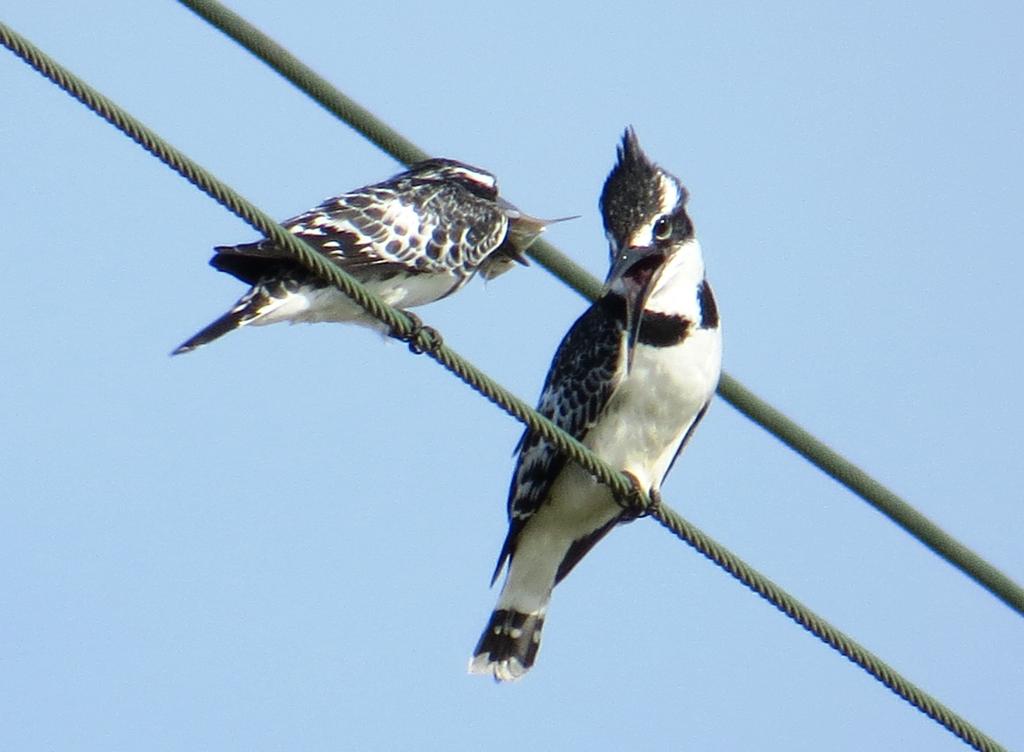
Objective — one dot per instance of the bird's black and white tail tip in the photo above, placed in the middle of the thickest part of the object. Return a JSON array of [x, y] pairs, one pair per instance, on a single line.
[[250, 307], [508, 647]]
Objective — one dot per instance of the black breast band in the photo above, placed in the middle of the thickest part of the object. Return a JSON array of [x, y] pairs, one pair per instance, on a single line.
[[657, 329]]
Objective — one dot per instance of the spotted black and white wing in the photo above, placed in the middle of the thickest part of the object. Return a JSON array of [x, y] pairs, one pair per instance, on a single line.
[[587, 367], [407, 225], [412, 240]]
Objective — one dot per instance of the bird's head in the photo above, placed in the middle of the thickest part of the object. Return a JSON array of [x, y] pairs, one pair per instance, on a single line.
[[473, 179], [648, 229]]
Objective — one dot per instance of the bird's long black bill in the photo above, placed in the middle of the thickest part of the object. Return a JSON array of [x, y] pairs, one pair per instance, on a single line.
[[635, 270]]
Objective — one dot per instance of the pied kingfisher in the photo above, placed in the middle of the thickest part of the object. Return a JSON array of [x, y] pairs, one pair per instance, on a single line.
[[412, 239], [631, 380]]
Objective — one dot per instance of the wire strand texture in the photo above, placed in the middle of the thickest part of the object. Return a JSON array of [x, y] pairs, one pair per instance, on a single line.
[[426, 340]]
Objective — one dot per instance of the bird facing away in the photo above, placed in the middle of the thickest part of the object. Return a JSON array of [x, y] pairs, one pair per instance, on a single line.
[[412, 239], [631, 380]]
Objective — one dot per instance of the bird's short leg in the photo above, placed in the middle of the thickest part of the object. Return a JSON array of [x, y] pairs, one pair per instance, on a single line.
[[635, 505], [655, 496], [421, 337]]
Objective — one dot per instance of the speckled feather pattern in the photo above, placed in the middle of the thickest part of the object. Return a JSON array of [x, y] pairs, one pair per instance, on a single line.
[[584, 373], [407, 224], [412, 240]]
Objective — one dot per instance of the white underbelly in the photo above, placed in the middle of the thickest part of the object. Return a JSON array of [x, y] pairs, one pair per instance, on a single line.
[[577, 506], [640, 431], [655, 405], [329, 304]]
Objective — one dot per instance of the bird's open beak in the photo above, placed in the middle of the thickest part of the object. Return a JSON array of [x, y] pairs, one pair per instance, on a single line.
[[633, 273]]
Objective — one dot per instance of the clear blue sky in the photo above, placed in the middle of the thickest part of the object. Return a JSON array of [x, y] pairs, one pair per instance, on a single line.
[[284, 540]]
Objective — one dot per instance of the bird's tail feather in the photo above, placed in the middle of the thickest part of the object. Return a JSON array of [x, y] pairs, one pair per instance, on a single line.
[[508, 646], [248, 309]]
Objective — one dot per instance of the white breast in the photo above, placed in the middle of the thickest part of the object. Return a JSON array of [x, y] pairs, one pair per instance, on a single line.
[[656, 403], [317, 304]]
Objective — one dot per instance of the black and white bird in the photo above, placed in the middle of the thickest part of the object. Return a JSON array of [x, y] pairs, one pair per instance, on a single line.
[[412, 239], [631, 380]]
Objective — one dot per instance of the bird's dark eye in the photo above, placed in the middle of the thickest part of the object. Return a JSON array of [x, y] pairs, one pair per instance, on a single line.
[[663, 229]]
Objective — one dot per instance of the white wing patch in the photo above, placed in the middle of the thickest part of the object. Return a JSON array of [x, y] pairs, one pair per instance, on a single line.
[[488, 181]]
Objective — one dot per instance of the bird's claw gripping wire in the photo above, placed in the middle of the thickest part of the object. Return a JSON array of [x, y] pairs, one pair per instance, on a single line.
[[636, 504], [420, 337]]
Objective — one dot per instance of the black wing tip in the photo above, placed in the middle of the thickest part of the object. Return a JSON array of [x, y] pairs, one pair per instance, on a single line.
[[253, 267], [258, 248], [502, 558]]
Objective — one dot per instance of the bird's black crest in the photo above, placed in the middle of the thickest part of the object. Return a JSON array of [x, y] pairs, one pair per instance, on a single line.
[[632, 191]]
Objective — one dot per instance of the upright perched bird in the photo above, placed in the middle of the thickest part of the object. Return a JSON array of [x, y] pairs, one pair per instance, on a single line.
[[412, 239], [631, 380]]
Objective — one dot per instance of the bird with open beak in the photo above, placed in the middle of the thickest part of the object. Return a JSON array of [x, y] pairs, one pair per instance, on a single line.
[[631, 380]]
